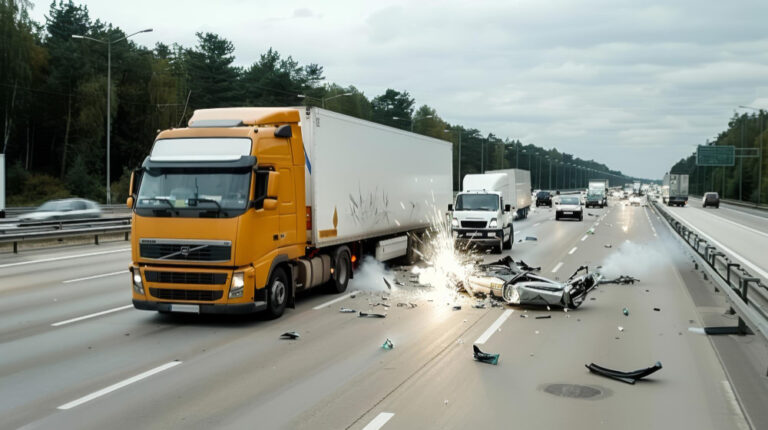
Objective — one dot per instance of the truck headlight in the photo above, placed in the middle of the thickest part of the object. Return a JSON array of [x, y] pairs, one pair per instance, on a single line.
[[236, 288], [493, 223], [138, 286], [455, 222]]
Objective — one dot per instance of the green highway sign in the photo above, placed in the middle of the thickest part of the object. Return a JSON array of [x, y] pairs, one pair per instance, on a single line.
[[723, 155]]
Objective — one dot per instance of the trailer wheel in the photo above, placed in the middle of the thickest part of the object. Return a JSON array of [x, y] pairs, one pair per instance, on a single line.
[[277, 293], [508, 242], [342, 270]]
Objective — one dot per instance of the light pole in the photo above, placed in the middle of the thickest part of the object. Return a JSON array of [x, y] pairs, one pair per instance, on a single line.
[[412, 120], [760, 151], [109, 44]]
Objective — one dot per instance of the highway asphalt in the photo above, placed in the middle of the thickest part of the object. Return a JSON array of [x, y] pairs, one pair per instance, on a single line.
[[75, 354]]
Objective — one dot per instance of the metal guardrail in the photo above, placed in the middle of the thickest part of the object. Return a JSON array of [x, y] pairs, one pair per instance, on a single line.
[[12, 212], [45, 230], [747, 294]]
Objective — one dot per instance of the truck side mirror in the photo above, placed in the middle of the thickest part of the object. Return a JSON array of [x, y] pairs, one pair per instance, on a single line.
[[507, 208], [270, 204], [272, 185], [450, 207], [129, 202]]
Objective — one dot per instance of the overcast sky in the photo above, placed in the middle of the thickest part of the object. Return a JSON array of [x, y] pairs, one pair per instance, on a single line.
[[633, 84]]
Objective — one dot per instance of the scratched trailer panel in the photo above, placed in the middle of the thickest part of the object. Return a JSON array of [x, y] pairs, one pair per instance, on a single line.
[[368, 180]]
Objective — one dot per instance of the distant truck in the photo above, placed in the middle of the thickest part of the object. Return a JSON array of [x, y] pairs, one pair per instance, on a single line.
[[597, 193], [675, 189], [636, 188], [484, 209], [246, 207]]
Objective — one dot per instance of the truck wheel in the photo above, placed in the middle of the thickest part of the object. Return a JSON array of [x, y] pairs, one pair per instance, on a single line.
[[342, 270], [277, 293], [508, 242], [581, 216]]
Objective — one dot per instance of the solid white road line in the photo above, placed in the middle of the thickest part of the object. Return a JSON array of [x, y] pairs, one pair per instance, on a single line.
[[572, 250], [338, 299], [741, 420], [559, 265], [121, 384], [584, 238], [740, 225], [495, 326], [104, 275], [64, 257], [97, 314], [379, 421]]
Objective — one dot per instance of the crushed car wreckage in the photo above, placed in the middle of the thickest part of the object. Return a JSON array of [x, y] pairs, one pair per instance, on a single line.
[[517, 284]]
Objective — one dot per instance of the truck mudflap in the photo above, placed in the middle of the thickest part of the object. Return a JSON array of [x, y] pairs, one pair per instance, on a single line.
[[237, 308]]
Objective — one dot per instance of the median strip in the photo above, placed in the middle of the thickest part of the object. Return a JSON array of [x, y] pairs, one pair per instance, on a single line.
[[121, 384], [85, 317], [104, 275]]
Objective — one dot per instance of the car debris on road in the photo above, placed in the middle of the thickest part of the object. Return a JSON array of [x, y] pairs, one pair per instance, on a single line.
[[517, 286], [627, 377], [347, 311], [621, 280], [371, 315], [387, 344], [290, 335], [484, 357]]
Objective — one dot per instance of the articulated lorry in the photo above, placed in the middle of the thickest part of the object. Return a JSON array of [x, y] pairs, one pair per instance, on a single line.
[[245, 207], [484, 209], [675, 189], [597, 193]]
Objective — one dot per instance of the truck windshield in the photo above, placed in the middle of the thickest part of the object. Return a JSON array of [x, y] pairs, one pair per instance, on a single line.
[[193, 193], [477, 202]]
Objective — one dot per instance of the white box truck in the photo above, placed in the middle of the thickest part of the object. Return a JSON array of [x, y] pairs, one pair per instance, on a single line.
[[675, 189], [246, 206], [483, 211], [597, 193]]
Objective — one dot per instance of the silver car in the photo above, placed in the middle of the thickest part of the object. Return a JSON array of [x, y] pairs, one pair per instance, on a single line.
[[63, 209]]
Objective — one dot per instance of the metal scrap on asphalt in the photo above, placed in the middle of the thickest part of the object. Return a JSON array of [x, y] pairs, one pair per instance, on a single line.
[[484, 357], [627, 377], [371, 315], [622, 280], [289, 335]]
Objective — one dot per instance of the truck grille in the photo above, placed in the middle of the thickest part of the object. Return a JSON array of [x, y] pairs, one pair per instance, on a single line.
[[197, 295], [185, 277], [185, 251], [473, 224]]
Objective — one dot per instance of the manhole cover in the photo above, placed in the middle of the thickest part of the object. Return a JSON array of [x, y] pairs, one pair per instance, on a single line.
[[573, 391]]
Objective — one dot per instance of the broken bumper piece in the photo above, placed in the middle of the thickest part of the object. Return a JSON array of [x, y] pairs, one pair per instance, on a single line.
[[627, 377]]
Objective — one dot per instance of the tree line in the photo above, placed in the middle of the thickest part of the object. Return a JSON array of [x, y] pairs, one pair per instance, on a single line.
[[53, 96], [742, 181]]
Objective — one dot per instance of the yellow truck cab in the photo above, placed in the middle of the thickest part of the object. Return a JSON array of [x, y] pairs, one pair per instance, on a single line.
[[231, 216]]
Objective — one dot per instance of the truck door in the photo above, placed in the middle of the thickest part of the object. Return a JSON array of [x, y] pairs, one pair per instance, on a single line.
[[287, 207]]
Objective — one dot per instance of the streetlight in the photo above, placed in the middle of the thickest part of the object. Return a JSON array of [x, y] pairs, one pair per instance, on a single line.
[[760, 163], [412, 120], [109, 44]]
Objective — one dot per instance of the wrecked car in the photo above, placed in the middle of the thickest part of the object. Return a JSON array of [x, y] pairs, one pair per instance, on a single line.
[[517, 284]]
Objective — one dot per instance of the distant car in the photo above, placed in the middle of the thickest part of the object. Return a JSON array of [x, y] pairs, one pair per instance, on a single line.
[[569, 207], [635, 200], [711, 199], [544, 198], [63, 209]]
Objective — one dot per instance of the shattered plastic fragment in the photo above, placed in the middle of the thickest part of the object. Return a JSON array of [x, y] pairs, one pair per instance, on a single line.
[[371, 315], [387, 344], [523, 316], [625, 311], [608, 245], [543, 317], [621, 328], [531, 238], [457, 308], [389, 286], [289, 335], [623, 280], [657, 309], [479, 305], [485, 357], [347, 311], [628, 377]]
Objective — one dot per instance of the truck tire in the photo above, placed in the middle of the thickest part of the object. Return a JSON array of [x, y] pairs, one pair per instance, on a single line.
[[508, 243], [342, 270], [277, 293], [581, 216]]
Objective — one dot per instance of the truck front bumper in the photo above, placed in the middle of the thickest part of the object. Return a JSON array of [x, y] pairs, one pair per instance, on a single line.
[[483, 237], [236, 308]]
